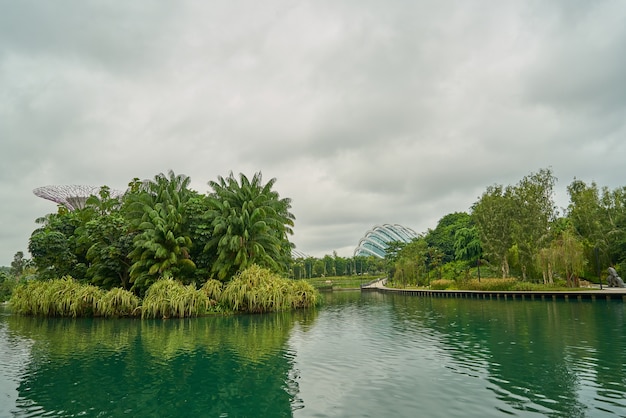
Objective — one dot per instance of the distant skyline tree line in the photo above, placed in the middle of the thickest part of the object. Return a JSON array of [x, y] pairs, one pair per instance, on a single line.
[[162, 228]]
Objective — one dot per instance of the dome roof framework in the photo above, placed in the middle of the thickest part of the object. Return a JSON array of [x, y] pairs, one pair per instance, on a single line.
[[376, 240]]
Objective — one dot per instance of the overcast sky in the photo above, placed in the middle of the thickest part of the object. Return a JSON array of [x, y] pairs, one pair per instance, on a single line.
[[366, 111]]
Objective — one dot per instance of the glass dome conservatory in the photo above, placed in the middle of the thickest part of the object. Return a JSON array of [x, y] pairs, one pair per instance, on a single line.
[[376, 240]]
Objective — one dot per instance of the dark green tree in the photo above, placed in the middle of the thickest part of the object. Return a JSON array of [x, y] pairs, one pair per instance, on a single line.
[[55, 248], [533, 212], [161, 247], [443, 237], [18, 264], [492, 215], [251, 225]]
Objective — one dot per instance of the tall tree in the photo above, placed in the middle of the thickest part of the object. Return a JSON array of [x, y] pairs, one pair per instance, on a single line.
[[55, 248], [443, 236], [251, 225], [533, 213], [492, 215], [18, 264], [599, 219], [161, 249]]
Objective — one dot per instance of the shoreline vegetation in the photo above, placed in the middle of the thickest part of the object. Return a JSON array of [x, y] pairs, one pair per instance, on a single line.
[[160, 246], [493, 285], [253, 290]]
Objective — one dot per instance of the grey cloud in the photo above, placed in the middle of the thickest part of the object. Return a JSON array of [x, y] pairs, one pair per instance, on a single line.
[[366, 112]]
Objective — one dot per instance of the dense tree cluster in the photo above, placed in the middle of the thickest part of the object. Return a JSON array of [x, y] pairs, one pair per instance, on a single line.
[[161, 228], [517, 231]]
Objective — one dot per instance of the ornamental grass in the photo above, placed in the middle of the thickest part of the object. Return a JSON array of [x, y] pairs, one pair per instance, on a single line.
[[169, 298], [59, 297], [213, 289], [258, 290], [489, 284], [118, 302]]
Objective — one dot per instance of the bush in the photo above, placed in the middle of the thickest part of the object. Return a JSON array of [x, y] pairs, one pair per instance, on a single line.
[[489, 284], [169, 298], [59, 297], [7, 284], [442, 284], [118, 302], [213, 289], [304, 295], [258, 290]]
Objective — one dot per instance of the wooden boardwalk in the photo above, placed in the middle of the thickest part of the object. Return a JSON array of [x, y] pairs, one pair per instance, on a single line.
[[593, 294]]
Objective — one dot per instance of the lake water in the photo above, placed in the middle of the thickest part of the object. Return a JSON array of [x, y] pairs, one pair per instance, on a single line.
[[359, 355]]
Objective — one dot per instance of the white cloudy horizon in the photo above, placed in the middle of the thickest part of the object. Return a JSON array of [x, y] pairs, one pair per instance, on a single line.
[[365, 112]]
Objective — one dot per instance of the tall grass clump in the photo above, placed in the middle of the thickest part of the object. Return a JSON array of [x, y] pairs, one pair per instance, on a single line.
[[442, 284], [258, 290], [168, 298], [58, 297], [213, 289], [489, 284], [304, 295], [118, 302]]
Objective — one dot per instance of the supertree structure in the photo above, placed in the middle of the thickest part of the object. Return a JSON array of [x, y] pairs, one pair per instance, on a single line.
[[73, 196]]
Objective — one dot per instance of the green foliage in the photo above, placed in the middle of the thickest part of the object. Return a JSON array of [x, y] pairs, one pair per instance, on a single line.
[[118, 302], [517, 216], [599, 218], [111, 240], [494, 285], [443, 237], [18, 264], [442, 284], [492, 214], [488, 284], [258, 290], [251, 224], [59, 297], [168, 298], [161, 249], [196, 213], [534, 212], [213, 289], [7, 285]]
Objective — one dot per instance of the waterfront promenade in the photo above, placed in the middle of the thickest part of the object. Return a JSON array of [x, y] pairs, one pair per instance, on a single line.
[[594, 293]]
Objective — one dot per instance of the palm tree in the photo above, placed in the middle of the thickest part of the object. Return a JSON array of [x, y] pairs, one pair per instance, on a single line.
[[161, 249], [251, 224]]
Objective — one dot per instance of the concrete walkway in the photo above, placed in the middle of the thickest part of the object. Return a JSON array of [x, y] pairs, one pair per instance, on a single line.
[[608, 293]]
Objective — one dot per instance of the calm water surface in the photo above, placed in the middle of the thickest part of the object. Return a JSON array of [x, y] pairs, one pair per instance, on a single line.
[[359, 355]]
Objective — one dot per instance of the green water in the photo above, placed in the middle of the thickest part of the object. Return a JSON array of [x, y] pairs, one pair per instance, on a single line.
[[359, 355]]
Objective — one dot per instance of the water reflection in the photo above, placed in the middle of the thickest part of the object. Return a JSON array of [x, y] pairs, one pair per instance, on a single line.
[[216, 366], [551, 358], [358, 355]]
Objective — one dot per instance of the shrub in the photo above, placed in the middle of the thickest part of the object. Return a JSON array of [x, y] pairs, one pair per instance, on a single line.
[[442, 284], [58, 297], [118, 302], [257, 290], [213, 289], [489, 284], [167, 298], [304, 295]]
